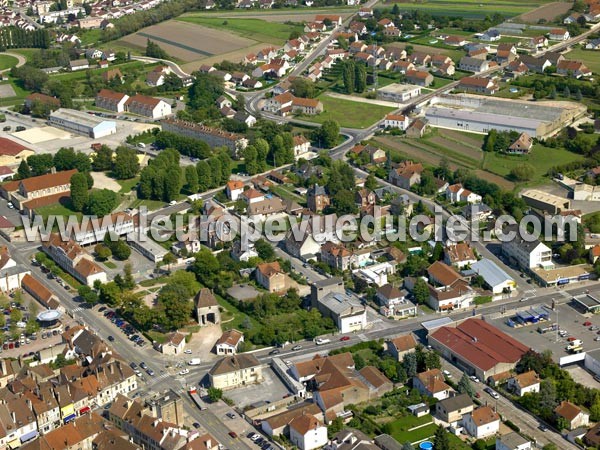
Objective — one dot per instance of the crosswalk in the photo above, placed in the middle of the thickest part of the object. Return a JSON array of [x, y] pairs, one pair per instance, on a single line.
[[154, 380], [530, 292], [79, 308]]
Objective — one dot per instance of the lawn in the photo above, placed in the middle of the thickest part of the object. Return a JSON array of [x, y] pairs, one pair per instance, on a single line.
[[257, 29], [7, 62], [57, 209], [591, 58], [399, 428], [128, 185], [541, 159], [152, 205], [348, 113], [82, 74], [232, 317]]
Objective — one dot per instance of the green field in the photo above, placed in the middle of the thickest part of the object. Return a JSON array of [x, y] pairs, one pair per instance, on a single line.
[[541, 159], [57, 209], [82, 74], [349, 114], [7, 62], [470, 9], [257, 29], [128, 185], [399, 428], [591, 58]]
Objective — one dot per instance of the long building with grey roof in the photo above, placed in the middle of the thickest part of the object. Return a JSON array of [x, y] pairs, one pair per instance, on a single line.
[[480, 114]]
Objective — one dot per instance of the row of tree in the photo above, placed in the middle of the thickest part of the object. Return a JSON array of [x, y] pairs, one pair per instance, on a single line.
[[14, 37], [354, 76]]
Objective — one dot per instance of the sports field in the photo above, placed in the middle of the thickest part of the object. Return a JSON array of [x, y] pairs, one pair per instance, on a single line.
[[255, 29]]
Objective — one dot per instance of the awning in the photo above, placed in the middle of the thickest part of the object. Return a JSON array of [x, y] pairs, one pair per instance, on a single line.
[[28, 436], [69, 418], [84, 410], [448, 306]]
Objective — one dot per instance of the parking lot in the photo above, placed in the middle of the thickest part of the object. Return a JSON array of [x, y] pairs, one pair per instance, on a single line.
[[568, 317], [271, 389]]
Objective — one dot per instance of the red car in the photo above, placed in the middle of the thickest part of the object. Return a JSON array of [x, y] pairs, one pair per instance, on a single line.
[[477, 395], [587, 324], [233, 434], [571, 339], [345, 338]]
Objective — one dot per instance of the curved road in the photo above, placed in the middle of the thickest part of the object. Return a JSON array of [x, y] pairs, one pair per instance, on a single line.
[[21, 60]]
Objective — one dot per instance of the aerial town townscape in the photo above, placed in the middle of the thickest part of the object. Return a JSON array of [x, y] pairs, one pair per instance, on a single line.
[[299, 224]]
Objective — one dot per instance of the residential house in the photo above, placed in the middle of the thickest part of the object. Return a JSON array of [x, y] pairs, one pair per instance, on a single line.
[[399, 121], [420, 58], [317, 199], [393, 302], [175, 344], [419, 77], [512, 441], [516, 68], [506, 53], [386, 23], [229, 342], [456, 193], [144, 105], [79, 64], [271, 277], [433, 384], [572, 68], [111, 100], [308, 106], [345, 309], [538, 42], [401, 345], [336, 256], [490, 36], [470, 64], [301, 145], [573, 415], [526, 253], [558, 34], [524, 383], [403, 66], [235, 371], [459, 254], [482, 422], [307, 432], [592, 437], [593, 44], [455, 41], [406, 174], [417, 128], [522, 145], [156, 77], [452, 409], [234, 189]]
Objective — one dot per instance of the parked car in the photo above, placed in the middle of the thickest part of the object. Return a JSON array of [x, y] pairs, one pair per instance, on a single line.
[[233, 434], [295, 348], [230, 415], [345, 338], [111, 338], [275, 351]]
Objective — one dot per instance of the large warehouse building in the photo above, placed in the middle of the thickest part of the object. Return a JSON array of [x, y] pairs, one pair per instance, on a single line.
[[480, 114], [82, 123], [478, 348]]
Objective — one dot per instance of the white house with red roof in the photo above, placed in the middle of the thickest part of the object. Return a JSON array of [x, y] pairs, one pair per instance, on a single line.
[[144, 105]]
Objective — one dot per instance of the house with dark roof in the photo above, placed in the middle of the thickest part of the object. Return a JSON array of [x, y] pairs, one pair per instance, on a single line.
[[477, 347], [393, 302], [452, 409], [234, 371]]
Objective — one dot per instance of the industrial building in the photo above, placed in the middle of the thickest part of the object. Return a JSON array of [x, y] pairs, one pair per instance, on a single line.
[[543, 201], [147, 247], [82, 123], [479, 114], [398, 93], [477, 347]]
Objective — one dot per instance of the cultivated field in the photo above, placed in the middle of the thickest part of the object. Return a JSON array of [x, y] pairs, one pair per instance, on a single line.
[[274, 15], [255, 29], [188, 42], [547, 12], [469, 9]]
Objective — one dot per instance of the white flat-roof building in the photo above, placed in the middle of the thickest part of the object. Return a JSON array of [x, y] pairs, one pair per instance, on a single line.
[[82, 123], [344, 308], [147, 247], [398, 93]]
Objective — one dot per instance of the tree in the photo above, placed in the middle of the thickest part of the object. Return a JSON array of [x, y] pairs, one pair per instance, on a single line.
[[409, 362], [203, 170], [101, 202], [328, 134], [421, 291], [265, 250], [465, 386], [40, 164], [87, 294], [103, 160], [102, 252], [567, 92], [303, 87], [214, 394], [523, 172], [371, 182], [440, 440], [23, 171], [121, 250], [154, 50], [432, 360], [177, 306], [360, 78], [251, 160], [79, 191], [169, 259], [126, 163], [348, 76], [191, 179], [204, 91], [128, 282]]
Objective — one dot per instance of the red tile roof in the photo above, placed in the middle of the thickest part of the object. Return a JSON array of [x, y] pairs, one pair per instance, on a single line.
[[9, 147], [480, 343]]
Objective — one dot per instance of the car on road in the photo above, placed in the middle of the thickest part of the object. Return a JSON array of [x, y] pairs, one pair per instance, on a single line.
[[111, 338], [143, 365], [133, 365], [474, 379], [587, 323], [275, 351], [196, 425], [322, 341], [345, 338], [102, 309], [543, 427], [295, 348], [150, 372], [184, 372], [254, 436], [230, 415], [187, 351], [492, 393], [447, 374], [233, 434]]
